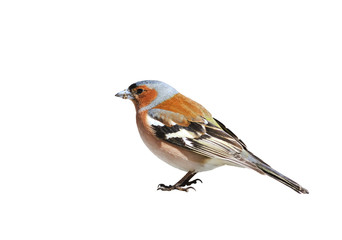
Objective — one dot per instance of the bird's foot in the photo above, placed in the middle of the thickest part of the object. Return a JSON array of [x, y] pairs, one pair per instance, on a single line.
[[163, 187], [191, 182]]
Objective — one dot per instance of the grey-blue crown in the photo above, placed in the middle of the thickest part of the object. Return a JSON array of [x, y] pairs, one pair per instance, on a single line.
[[164, 91]]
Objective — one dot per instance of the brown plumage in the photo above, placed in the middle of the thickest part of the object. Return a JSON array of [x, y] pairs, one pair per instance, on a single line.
[[184, 134]]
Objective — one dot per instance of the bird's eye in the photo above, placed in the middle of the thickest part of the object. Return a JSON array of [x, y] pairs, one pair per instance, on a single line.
[[139, 90]]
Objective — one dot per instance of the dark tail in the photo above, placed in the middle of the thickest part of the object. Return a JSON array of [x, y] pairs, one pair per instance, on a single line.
[[281, 178], [265, 168]]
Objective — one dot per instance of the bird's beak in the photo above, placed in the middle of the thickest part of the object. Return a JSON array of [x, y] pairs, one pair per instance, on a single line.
[[125, 94]]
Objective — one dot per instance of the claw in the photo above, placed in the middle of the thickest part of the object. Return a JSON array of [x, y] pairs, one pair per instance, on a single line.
[[187, 189], [163, 187], [181, 184], [192, 182]]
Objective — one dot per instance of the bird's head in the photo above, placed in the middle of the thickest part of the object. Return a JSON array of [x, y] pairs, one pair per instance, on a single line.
[[148, 93]]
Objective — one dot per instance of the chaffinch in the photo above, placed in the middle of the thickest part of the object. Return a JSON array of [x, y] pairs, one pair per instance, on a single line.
[[185, 135]]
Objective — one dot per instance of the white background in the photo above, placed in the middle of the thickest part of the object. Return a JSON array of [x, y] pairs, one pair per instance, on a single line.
[[72, 164]]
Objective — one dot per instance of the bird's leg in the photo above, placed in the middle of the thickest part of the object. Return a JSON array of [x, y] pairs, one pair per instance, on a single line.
[[186, 181], [180, 185], [192, 182]]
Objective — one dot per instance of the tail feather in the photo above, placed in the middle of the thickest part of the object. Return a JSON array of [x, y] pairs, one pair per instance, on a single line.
[[281, 178], [265, 168]]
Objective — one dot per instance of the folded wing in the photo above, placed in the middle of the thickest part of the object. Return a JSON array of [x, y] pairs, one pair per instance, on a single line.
[[199, 135]]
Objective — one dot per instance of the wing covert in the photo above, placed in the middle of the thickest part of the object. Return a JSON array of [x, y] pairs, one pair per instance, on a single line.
[[200, 136]]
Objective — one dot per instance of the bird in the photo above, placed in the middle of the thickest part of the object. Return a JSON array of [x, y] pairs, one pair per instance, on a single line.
[[185, 135]]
